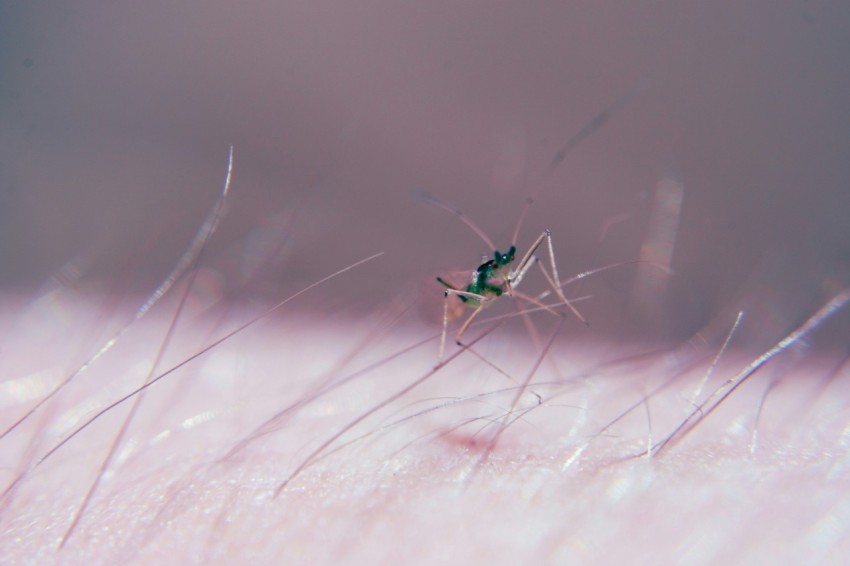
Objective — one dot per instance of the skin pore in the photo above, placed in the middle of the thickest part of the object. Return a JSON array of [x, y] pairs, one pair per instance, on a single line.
[[328, 430]]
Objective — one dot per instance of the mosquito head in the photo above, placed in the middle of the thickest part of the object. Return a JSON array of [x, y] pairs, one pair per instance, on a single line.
[[502, 259]]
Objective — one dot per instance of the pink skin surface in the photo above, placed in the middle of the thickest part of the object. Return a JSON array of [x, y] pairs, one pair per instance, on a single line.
[[195, 478], [323, 433]]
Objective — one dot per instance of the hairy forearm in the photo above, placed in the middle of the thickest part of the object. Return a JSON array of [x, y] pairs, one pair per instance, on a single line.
[[198, 474]]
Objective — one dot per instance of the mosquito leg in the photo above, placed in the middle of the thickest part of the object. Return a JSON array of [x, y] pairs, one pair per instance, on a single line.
[[536, 302], [535, 335], [554, 279], [528, 258], [553, 264], [445, 327], [520, 273], [564, 300], [467, 323], [445, 317], [480, 299], [473, 296]]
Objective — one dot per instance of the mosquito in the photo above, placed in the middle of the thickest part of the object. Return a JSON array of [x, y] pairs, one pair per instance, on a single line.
[[497, 277]]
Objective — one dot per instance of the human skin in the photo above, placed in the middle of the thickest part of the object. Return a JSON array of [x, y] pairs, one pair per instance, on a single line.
[[115, 125], [762, 478]]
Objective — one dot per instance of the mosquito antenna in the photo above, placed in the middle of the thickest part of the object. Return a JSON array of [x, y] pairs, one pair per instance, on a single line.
[[528, 202], [595, 124], [428, 198]]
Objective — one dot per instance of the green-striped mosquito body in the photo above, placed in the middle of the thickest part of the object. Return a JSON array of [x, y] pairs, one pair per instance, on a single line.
[[497, 276]]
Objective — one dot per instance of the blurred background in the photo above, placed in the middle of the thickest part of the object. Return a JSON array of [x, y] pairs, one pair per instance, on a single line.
[[724, 155]]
